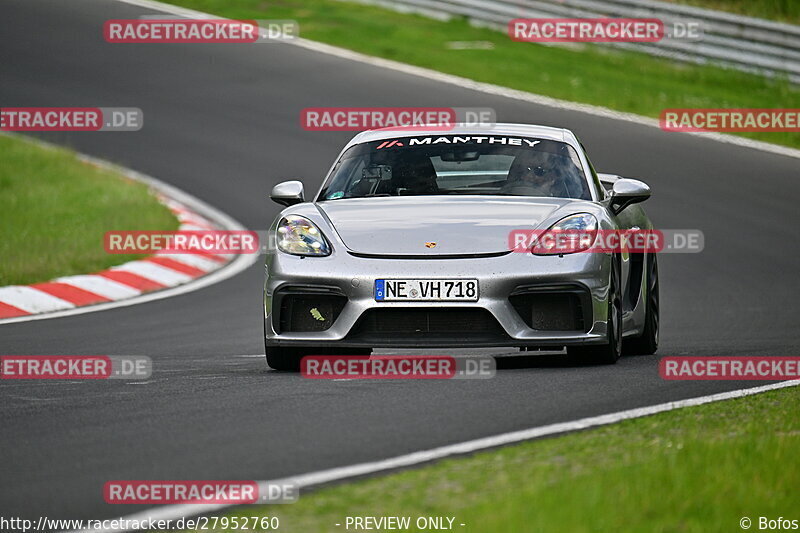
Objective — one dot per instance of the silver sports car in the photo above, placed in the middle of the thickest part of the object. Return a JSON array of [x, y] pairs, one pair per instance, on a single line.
[[407, 245]]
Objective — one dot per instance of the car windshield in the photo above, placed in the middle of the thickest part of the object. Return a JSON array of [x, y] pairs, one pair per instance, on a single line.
[[458, 164]]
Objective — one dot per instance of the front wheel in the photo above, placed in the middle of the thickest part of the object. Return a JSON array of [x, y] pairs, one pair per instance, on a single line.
[[647, 342], [609, 353], [284, 359]]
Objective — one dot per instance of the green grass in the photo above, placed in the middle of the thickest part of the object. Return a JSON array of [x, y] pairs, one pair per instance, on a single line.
[[620, 80], [780, 10], [55, 209], [698, 470]]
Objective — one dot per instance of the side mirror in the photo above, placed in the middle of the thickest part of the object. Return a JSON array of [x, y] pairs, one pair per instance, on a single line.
[[627, 191], [288, 193]]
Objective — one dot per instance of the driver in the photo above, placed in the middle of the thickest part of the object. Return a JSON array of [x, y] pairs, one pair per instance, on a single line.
[[539, 174]]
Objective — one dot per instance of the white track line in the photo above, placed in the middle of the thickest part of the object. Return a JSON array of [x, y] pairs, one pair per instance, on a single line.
[[31, 300], [311, 479], [185, 218], [107, 288], [487, 88], [197, 261], [195, 227], [160, 274]]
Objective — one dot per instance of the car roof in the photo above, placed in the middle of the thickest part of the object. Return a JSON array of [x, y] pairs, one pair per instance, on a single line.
[[522, 130]]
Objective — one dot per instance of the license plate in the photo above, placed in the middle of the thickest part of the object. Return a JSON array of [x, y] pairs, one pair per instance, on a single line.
[[427, 290]]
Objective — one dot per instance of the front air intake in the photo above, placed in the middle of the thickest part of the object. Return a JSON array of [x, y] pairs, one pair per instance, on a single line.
[[550, 311], [309, 312]]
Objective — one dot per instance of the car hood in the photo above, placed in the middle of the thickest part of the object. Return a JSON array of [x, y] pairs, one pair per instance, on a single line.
[[458, 225]]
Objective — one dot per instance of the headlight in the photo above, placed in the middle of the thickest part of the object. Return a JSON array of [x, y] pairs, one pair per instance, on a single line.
[[575, 233], [299, 236]]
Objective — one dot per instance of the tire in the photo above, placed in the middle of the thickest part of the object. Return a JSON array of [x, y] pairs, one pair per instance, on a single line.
[[609, 353], [284, 359], [647, 342]]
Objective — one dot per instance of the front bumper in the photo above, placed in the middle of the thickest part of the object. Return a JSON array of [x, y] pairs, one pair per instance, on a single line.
[[352, 278]]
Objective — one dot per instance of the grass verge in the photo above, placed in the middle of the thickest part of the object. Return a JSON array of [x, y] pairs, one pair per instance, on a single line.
[[55, 210], [620, 80], [697, 469]]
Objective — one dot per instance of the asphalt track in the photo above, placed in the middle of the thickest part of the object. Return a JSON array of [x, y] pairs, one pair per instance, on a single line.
[[222, 122]]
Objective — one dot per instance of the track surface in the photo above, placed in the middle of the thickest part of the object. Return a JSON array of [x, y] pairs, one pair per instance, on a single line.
[[222, 122]]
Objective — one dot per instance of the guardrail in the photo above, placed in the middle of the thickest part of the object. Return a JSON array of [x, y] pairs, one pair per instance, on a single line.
[[745, 43]]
